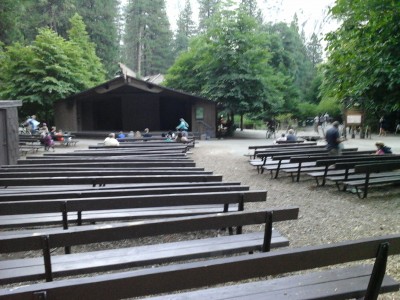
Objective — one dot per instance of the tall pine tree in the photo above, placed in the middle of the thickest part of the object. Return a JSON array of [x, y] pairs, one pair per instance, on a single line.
[[102, 18], [186, 29], [148, 38], [207, 8]]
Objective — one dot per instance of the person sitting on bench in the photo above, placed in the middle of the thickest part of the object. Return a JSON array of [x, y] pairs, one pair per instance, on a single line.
[[382, 149], [291, 136], [111, 140]]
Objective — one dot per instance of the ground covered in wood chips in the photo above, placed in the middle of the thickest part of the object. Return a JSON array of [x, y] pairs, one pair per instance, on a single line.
[[326, 214]]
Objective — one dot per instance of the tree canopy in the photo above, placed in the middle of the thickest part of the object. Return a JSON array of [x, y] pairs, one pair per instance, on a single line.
[[49, 69], [229, 64], [363, 64]]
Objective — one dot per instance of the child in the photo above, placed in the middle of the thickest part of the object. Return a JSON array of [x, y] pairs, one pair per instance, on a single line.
[[382, 149], [48, 142]]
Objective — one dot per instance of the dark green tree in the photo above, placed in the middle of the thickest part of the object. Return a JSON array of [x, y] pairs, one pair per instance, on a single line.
[[102, 24], [54, 14], [11, 12], [250, 7], [364, 55], [230, 65], [49, 69], [92, 68], [186, 28], [148, 38], [207, 8], [314, 50]]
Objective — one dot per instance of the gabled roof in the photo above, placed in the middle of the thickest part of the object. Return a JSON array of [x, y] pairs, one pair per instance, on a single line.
[[128, 79]]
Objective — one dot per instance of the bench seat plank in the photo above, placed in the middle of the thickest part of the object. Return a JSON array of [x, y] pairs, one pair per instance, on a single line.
[[342, 283], [96, 261]]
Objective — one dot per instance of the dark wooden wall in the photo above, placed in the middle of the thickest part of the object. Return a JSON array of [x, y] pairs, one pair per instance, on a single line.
[[9, 148]]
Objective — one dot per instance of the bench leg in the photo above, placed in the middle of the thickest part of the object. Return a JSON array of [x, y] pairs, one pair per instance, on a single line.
[[266, 247], [47, 258], [378, 272]]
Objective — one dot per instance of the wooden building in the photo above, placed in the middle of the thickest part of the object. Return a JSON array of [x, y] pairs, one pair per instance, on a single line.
[[9, 148], [127, 103]]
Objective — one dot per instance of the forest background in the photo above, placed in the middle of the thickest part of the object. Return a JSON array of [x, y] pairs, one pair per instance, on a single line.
[[251, 66]]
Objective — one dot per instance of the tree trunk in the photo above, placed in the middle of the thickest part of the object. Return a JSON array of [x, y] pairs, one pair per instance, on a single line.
[[241, 122]]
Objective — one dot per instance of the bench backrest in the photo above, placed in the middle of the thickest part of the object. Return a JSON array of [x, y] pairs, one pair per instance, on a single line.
[[317, 157], [116, 159], [282, 145], [173, 278], [377, 167], [131, 202], [81, 235], [319, 151], [345, 161], [154, 190], [161, 152], [103, 180], [110, 164], [80, 173], [343, 164]]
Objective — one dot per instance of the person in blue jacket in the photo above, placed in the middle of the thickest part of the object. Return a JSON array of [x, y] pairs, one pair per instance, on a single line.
[[183, 125]]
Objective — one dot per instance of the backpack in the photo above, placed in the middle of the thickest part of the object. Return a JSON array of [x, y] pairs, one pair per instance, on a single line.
[[387, 150]]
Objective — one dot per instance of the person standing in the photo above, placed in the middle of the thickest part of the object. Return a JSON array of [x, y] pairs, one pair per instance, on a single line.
[[316, 121], [382, 126], [183, 125], [333, 139], [33, 124]]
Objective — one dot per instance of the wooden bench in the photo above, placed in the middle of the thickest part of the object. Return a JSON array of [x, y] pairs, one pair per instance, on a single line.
[[123, 191], [351, 281], [103, 180], [126, 151], [150, 163], [282, 157], [362, 185], [110, 159], [278, 146], [347, 165], [98, 209], [297, 141], [80, 173], [50, 266], [264, 155], [309, 163], [79, 188]]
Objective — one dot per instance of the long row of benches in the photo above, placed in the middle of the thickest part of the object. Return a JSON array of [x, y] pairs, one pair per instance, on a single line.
[[356, 169], [145, 185]]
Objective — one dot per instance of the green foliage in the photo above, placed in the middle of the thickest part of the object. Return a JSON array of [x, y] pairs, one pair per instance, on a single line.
[[186, 29], [331, 106], [11, 12], [291, 58], [306, 110], [207, 9], [229, 64], [147, 38], [102, 24], [91, 66], [364, 55], [49, 69]]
